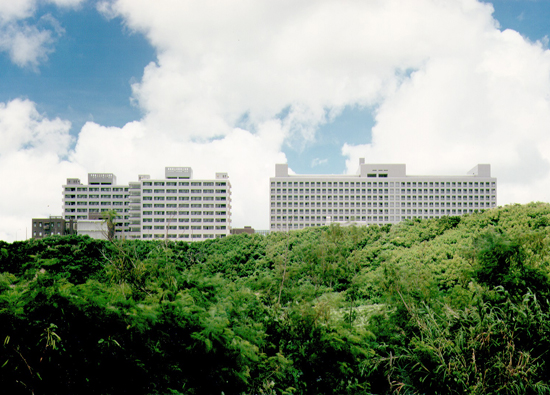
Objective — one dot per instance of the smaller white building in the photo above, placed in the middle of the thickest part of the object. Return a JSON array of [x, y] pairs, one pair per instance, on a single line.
[[94, 228], [89, 202], [179, 206], [174, 207]]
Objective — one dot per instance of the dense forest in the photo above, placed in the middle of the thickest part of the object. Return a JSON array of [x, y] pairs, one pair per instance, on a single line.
[[457, 305]]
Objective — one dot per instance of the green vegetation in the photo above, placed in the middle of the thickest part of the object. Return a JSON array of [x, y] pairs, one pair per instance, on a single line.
[[448, 306]]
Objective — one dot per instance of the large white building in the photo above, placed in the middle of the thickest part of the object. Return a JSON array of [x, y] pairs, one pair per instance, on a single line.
[[174, 207], [377, 194]]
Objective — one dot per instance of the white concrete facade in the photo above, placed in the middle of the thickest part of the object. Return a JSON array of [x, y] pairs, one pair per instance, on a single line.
[[88, 201], [174, 207], [377, 194], [96, 229]]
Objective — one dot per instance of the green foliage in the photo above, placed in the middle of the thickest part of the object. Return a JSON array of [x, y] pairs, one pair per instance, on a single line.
[[450, 305], [483, 349], [501, 263], [109, 218]]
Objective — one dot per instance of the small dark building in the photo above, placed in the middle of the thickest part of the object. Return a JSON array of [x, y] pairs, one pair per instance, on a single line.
[[247, 229], [44, 227]]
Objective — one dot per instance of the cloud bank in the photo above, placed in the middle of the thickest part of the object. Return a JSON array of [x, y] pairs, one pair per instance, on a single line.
[[234, 81], [31, 168]]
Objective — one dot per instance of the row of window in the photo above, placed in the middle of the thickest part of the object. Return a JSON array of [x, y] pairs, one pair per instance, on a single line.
[[183, 236], [67, 217], [328, 213], [47, 224], [186, 191], [184, 183], [385, 197], [97, 204], [307, 205], [160, 191], [95, 196], [384, 191], [150, 198], [183, 198], [324, 218], [46, 234], [96, 189], [173, 213], [184, 220], [184, 227], [352, 184], [184, 205], [403, 204], [147, 183], [384, 218]]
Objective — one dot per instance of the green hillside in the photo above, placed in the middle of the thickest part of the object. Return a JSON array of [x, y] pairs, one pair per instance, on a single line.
[[457, 305]]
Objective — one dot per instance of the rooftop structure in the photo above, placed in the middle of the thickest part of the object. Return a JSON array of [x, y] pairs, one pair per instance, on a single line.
[[101, 179]]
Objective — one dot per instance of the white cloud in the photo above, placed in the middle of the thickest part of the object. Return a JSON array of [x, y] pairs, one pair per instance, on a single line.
[[216, 63], [26, 44], [67, 3], [219, 61], [15, 10], [31, 166], [316, 162], [23, 128]]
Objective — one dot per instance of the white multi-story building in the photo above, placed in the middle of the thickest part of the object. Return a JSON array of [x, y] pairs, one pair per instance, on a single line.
[[87, 202], [180, 207], [377, 194], [174, 207]]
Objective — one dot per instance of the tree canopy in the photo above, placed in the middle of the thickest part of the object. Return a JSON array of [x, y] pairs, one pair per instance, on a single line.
[[451, 305]]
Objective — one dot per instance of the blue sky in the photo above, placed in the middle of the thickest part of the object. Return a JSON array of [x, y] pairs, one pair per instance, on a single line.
[[131, 86], [88, 77], [529, 17]]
